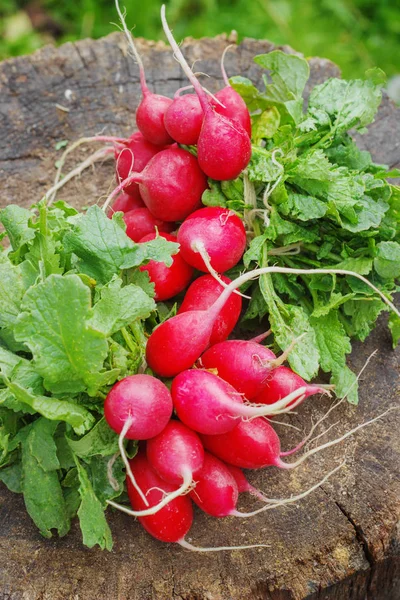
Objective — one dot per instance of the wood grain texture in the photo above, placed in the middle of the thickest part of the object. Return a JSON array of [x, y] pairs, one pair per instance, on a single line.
[[340, 543]]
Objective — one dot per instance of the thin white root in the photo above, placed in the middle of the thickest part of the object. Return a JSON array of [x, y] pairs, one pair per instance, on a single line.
[[76, 144], [334, 442], [200, 248], [334, 406], [276, 502], [129, 473], [188, 546], [213, 97], [277, 408], [116, 191], [102, 154], [289, 425], [182, 61], [187, 482]]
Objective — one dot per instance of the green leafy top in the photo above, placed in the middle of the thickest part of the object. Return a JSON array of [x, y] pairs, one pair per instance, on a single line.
[[317, 201], [73, 310]]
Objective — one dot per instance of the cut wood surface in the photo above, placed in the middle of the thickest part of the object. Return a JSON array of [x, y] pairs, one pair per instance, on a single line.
[[342, 542]]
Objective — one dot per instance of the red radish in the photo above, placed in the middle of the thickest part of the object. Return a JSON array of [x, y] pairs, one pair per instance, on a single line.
[[176, 453], [223, 147], [134, 156], [142, 399], [283, 381], [210, 405], [244, 486], [216, 491], [216, 231], [171, 184], [185, 337], [250, 445], [140, 222], [125, 202], [202, 293], [184, 118], [176, 344], [171, 523], [151, 110], [137, 407], [254, 444], [168, 281], [243, 363], [234, 107]]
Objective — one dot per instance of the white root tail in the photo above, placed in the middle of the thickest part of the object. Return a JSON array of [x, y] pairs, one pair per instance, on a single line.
[[129, 473], [102, 154], [200, 248], [188, 546], [276, 502], [298, 462], [85, 140], [186, 485]]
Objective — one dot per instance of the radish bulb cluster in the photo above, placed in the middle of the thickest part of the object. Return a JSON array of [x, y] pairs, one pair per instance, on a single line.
[[198, 430]]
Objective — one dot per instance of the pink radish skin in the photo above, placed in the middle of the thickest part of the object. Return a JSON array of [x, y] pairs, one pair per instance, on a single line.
[[172, 522], [216, 492], [134, 157], [242, 484], [202, 293], [125, 202], [244, 364], [235, 108], [184, 118], [177, 343], [140, 222], [175, 453], [210, 405], [171, 184], [219, 232], [185, 337], [250, 445], [282, 381], [223, 147], [169, 524], [142, 398], [150, 117], [168, 281]]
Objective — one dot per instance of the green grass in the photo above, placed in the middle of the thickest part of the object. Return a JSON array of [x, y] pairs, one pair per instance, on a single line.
[[356, 34]]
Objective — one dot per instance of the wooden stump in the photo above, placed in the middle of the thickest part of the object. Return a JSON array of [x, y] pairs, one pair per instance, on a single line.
[[339, 543]]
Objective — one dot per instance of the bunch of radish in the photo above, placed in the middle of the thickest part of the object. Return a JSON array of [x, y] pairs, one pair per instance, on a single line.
[[213, 419], [161, 182], [197, 431]]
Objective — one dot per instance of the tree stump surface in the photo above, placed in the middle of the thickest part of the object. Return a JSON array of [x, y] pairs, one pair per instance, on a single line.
[[342, 542]]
